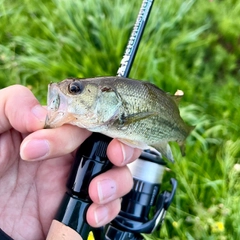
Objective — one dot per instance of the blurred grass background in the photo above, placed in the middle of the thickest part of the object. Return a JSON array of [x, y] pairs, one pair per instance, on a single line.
[[192, 45]]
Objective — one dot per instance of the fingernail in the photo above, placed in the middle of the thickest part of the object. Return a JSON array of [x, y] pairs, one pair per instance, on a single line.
[[101, 215], [127, 152], [34, 149], [106, 190], [39, 112]]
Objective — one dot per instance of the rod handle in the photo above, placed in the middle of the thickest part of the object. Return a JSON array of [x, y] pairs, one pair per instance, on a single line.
[[59, 231]]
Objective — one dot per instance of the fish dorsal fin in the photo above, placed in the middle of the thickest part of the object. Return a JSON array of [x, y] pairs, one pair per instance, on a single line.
[[135, 117], [177, 96]]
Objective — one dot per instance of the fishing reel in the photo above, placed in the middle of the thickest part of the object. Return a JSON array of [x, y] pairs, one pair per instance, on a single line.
[[143, 200]]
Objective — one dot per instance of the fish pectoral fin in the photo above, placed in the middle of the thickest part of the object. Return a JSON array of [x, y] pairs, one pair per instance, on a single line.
[[134, 144], [135, 117], [165, 150]]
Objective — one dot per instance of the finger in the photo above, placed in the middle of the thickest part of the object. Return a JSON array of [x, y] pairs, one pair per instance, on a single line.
[[121, 154], [20, 109], [50, 143], [110, 185], [99, 215]]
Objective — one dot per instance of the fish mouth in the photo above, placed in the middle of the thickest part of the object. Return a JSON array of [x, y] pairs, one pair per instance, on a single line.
[[57, 105]]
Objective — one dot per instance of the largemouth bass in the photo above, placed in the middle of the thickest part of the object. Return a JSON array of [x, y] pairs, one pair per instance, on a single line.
[[135, 112]]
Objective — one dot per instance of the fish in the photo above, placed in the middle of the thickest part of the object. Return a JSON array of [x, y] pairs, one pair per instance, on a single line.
[[135, 112]]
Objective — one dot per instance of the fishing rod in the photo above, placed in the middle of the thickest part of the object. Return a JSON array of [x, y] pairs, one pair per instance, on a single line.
[[135, 38], [91, 160]]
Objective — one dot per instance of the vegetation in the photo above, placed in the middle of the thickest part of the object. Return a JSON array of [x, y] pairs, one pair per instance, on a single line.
[[192, 45]]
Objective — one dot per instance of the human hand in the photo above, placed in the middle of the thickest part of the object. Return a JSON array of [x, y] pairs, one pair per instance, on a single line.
[[34, 166]]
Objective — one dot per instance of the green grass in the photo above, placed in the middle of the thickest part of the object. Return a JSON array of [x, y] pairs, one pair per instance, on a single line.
[[188, 45]]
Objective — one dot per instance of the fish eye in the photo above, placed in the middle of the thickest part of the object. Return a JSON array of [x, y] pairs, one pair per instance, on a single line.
[[75, 88]]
